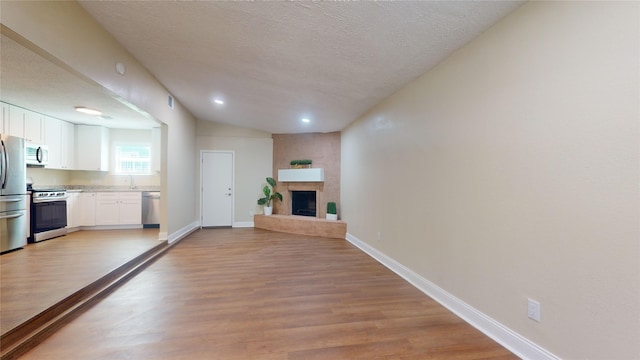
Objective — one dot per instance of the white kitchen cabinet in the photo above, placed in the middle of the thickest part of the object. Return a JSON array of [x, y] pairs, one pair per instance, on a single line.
[[68, 139], [107, 209], [74, 218], [33, 123], [119, 208], [131, 208], [156, 141], [23, 123], [59, 136], [52, 132], [92, 148], [4, 117], [15, 127], [86, 209]]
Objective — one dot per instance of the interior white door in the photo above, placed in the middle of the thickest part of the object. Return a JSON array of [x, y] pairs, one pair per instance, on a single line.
[[217, 188]]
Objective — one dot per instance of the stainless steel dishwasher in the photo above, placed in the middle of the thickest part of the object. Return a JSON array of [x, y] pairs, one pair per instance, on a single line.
[[151, 208]]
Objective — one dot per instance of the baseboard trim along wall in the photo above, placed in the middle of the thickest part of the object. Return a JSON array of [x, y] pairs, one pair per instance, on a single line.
[[183, 232], [514, 342], [243, 224]]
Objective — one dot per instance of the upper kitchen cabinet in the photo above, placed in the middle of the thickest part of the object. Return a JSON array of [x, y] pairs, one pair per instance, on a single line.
[[92, 148], [68, 136], [15, 126], [59, 136], [23, 123], [33, 124], [52, 132]]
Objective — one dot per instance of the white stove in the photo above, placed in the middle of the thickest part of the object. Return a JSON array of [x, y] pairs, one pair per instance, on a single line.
[[48, 214]]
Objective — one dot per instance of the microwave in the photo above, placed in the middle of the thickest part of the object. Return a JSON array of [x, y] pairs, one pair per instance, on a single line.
[[36, 155]]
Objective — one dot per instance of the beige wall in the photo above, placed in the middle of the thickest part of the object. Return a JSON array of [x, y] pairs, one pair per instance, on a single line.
[[511, 171], [64, 33], [253, 160], [321, 148]]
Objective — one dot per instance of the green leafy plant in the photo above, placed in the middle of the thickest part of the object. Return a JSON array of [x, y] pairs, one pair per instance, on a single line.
[[270, 193], [297, 164], [300, 162], [331, 208]]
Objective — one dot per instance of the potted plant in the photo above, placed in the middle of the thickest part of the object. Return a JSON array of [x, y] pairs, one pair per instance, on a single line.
[[270, 194], [299, 164], [332, 211]]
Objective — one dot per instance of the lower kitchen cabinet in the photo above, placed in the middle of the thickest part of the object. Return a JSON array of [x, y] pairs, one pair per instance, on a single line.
[[73, 221], [85, 210], [119, 208]]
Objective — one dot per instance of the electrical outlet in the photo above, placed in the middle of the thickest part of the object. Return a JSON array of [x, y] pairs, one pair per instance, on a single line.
[[533, 310], [379, 236]]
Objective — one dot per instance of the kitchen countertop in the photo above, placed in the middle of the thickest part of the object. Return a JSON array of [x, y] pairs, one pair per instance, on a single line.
[[103, 188]]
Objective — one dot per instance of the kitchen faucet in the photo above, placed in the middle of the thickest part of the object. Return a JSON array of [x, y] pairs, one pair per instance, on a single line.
[[131, 184]]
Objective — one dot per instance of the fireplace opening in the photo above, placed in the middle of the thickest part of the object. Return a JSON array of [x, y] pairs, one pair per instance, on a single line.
[[303, 203]]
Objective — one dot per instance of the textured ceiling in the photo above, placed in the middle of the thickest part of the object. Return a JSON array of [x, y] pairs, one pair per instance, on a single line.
[[276, 62], [33, 82]]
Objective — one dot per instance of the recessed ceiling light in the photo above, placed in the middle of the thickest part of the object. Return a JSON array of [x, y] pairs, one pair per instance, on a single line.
[[305, 120], [86, 110], [218, 101]]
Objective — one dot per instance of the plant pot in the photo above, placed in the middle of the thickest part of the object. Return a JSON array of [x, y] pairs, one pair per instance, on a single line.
[[268, 210], [332, 216]]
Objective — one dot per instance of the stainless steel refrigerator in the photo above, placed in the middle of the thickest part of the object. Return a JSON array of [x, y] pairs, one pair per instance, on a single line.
[[13, 193]]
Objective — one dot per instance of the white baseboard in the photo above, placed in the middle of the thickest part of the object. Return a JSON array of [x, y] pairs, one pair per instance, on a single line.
[[243, 224], [183, 232], [514, 342], [162, 236]]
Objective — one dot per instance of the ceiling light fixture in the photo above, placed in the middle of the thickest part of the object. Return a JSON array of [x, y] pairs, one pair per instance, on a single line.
[[86, 110], [218, 101], [305, 120], [120, 68]]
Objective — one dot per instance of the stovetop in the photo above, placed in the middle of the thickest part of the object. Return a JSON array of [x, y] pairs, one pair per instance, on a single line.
[[48, 190], [45, 195]]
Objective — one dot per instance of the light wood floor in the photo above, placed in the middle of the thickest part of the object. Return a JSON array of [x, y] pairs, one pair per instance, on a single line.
[[41, 274], [255, 294]]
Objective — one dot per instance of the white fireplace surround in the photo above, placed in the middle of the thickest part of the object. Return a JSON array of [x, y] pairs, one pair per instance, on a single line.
[[301, 175]]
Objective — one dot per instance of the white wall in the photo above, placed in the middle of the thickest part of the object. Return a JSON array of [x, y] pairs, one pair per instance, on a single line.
[[511, 171], [253, 162], [43, 177], [64, 33]]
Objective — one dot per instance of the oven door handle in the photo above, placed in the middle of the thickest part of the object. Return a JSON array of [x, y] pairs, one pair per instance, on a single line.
[[40, 201], [11, 216]]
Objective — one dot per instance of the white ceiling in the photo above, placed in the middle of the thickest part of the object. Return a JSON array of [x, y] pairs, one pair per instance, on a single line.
[[30, 81], [276, 62]]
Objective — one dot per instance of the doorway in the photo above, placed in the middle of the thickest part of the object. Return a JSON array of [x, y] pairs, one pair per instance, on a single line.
[[216, 201]]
